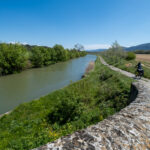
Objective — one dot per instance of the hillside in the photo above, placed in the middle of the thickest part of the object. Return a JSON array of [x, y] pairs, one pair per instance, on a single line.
[[145, 46]]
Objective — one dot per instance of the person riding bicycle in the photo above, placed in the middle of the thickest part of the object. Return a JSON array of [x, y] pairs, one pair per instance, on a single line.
[[139, 68]]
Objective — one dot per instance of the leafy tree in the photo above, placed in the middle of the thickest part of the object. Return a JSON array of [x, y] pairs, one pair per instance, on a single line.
[[46, 56], [60, 52], [115, 53], [13, 58], [37, 57], [117, 50]]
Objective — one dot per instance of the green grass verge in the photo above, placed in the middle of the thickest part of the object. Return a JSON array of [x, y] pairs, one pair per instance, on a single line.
[[88, 101], [127, 65]]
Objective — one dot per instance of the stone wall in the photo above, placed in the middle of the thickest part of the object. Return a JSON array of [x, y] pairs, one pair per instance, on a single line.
[[133, 92], [128, 129]]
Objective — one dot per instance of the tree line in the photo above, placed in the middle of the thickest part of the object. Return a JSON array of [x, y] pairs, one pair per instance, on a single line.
[[17, 57], [142, 51]]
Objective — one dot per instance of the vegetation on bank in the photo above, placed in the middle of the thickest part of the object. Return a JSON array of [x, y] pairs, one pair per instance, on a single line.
[[16, 57], [88, 101], [124, 60]]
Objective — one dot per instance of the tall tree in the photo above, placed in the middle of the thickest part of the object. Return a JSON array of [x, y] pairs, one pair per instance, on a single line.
[[79, 47]]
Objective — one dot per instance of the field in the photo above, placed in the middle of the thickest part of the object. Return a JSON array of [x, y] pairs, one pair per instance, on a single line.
[[144, 58]]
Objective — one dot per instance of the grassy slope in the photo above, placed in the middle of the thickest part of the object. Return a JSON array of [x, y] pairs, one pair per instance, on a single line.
[[102, 93], [128, 65]]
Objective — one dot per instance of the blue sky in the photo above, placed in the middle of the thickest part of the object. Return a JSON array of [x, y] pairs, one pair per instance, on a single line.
[[93, 23]]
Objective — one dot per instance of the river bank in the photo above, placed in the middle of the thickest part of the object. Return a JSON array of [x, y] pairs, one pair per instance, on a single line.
[[128, 129], [88, 69], [64, 111], [34, 83]]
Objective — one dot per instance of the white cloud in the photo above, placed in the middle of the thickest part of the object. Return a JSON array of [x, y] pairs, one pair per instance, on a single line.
[[96, 46]]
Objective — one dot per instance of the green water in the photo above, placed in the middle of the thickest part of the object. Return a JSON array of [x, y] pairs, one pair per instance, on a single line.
[[34, 83]]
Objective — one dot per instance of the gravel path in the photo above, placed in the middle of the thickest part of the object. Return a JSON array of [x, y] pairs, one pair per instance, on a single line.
[[127, 130]]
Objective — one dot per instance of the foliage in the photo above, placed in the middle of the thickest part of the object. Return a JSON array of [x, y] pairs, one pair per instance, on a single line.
[[115, 54], [67, 110], [13, 58], [43, 56], [40, 56], [130, 56], [16, 57]]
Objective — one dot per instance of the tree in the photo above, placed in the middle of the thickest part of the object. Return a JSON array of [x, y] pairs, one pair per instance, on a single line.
[[37, 57], [117, 51], [13, 58], [60, 52], [16, 57], [79, 47]]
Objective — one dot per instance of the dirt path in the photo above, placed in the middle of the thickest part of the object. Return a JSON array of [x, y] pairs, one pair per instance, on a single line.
[[128, 129]]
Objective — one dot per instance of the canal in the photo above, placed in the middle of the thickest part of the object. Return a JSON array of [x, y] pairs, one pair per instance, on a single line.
[[34, 83]]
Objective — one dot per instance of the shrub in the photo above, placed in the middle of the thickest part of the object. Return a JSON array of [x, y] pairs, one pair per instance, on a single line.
[[65, 111], [105, 74], [130, 56], [40, 56], [13, 58]]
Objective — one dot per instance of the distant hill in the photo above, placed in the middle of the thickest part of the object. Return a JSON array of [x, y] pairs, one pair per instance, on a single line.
[[145, 46], [142, 47], [96, 50]]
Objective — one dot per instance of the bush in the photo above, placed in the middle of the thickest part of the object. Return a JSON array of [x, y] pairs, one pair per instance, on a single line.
[[65, 111], [105, 74], [40, 56], [130, 56], [13, 58]]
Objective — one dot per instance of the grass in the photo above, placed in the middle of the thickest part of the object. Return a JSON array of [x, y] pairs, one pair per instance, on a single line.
[[88, 101], [128, 65]]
